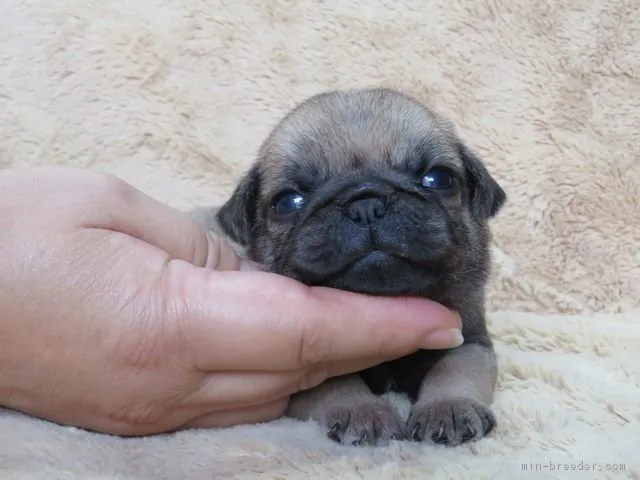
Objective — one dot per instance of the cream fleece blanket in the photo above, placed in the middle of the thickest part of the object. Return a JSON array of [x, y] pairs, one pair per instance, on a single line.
[[175, 96]]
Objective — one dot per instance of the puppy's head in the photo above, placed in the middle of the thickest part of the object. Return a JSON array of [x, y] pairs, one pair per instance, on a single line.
[[368, 191]]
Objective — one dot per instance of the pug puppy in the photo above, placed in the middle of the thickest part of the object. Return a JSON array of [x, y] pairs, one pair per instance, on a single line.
[[371, 191]]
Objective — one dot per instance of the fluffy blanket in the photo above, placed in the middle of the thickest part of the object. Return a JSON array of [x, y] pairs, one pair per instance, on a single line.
[[175, 96]]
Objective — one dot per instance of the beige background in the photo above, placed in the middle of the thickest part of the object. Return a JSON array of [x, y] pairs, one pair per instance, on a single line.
[[176, 95]]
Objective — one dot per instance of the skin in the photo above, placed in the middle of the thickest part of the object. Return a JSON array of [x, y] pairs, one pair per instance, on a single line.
[[357, 160], [122, 315]]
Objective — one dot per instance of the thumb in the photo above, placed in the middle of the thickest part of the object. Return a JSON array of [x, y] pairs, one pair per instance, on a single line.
[[266, 321]]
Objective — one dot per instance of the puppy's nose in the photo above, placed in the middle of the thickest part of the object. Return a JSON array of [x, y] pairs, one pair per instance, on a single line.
[[365, 203]]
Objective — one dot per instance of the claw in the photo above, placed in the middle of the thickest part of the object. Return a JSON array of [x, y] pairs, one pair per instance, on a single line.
[[364, 439], [469, 433], [415, 434], [439, 436], [335, 432], [488, 423]]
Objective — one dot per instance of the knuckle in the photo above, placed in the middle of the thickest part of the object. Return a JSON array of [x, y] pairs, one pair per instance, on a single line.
[[90, 197], [107, 187]]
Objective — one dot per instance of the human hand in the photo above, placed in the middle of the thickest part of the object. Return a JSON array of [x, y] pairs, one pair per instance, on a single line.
[[122, 315]]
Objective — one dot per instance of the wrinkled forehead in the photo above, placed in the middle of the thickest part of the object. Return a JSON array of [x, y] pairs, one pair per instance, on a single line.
[[334, 134]]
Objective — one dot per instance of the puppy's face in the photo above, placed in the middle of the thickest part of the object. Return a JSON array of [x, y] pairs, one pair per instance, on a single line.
[[367, 191]]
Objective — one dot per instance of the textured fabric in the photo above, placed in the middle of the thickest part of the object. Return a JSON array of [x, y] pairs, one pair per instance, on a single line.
[[175, 97]]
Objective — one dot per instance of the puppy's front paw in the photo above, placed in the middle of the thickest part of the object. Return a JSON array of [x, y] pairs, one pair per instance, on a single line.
[[369, 422], [450, 422]]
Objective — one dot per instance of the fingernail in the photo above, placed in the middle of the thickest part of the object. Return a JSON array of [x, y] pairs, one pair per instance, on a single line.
[[440, 339]]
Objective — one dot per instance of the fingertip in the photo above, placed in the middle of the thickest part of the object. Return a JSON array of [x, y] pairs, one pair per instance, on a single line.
[[352, 325], [443, 339], [419, 312], [424, 306], [249, 266], [431, 314], [220, 255]]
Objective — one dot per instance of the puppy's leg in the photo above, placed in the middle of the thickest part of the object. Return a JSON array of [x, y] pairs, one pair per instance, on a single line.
[[349, 411], [453, 403]]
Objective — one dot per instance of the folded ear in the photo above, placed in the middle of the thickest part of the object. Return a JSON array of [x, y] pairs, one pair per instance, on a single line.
[[237, 216], [486, 196]]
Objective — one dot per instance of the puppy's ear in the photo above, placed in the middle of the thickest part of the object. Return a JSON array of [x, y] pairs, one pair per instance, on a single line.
[[486, 196], [237, 216]]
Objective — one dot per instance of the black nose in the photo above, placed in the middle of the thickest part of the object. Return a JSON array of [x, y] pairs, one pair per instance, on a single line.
[[365, 203]]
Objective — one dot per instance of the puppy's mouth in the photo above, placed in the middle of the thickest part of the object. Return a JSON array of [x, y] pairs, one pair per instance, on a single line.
[[382, 273], [376, 259]]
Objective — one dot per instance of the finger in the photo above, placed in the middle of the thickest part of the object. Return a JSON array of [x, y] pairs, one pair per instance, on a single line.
[[90, 199], [438, 340], [279, 324], [359, 326], [227, 390], [172, 231], [236, 416]]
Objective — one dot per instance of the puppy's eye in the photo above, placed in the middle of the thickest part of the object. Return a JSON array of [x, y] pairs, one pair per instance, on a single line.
[[287, 202], [439, 178]]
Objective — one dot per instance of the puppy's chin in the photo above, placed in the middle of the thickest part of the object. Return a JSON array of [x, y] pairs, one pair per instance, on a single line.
[[379, 273]]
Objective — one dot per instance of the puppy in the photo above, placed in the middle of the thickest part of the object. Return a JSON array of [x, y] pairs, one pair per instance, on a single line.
[[371, 191]]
